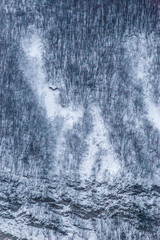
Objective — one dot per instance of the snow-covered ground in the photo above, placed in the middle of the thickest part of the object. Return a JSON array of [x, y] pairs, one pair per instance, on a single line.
[[141, 60], [35, 74], [99, 157]]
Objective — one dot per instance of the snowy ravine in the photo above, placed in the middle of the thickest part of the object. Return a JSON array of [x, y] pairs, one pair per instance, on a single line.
[[80, 120]]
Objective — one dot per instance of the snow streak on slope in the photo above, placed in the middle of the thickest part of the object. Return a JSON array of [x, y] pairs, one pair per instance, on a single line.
[[100, 157], [35, 73], [50, 100], [141, 62], [153, 113]]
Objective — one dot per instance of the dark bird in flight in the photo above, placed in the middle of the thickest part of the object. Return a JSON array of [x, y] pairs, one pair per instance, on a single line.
[[53, 89]]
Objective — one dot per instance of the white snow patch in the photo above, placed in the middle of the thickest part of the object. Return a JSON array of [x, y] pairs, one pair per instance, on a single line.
[[153, 114], [48, 98], [35, 73], [140, 58], [34, 50], [141, 61], [100, 152]]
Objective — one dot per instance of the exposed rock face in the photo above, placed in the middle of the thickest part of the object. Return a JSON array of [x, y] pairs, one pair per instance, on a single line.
[[80, 129]]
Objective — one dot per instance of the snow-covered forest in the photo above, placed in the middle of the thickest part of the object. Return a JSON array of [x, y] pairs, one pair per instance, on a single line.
[[80, 120]]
